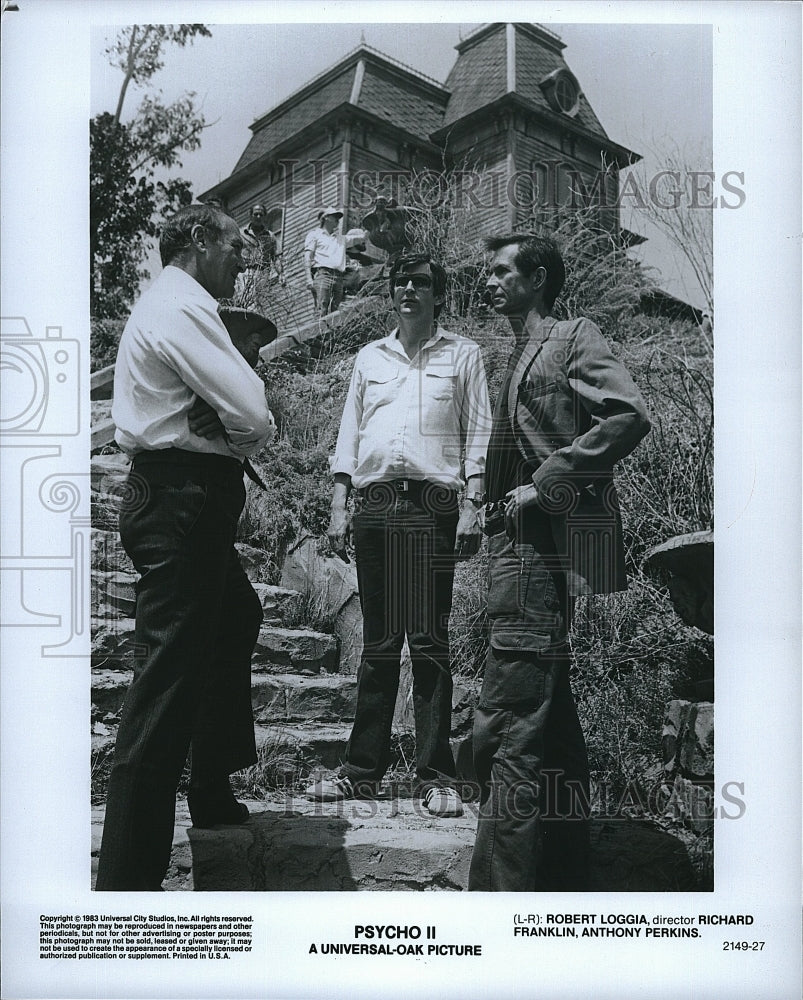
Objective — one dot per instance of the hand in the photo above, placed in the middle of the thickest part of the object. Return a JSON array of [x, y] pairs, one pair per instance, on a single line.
[[518, 500], [204, 421], [310, 285], [338, 532], [469, 533]]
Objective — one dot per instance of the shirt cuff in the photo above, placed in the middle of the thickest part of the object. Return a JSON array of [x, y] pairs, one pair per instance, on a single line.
[[474, 467], [342, 464]]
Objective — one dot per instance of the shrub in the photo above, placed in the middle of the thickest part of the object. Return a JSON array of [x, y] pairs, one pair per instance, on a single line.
[[104, 338]]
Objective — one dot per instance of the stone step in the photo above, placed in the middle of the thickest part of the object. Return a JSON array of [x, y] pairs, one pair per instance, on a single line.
[[113, 593], [289, 698], [276, 698], [302, 651], [392, 843], [281, 605], [297, 845], [321, 744]]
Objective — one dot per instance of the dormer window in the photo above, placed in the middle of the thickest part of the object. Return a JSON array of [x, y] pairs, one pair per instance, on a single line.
[[562, 92]]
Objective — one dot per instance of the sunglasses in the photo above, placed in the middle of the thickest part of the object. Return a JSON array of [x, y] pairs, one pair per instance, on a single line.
[[420, 282]]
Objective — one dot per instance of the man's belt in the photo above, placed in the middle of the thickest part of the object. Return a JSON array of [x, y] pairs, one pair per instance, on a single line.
[[327, 270], [205, 465], [436, 494]]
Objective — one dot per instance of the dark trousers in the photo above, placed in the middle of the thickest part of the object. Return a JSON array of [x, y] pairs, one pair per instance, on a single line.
[[405, 572], [197, 620], [529, 751]]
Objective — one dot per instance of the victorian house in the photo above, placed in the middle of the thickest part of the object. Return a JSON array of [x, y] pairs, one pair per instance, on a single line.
[[510, 117]]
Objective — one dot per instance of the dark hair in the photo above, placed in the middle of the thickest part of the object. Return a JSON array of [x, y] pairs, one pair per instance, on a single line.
[[534, 252], [405, 260], [176, 233]]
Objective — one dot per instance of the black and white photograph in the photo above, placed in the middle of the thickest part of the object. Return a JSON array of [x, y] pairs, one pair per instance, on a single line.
[[367, 525]]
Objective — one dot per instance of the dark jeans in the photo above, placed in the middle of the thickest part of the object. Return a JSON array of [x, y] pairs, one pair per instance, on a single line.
[[529, 751], [197, 619], [405, 571]]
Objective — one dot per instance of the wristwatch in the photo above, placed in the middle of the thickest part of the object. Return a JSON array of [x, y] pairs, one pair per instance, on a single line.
[[478, 499]]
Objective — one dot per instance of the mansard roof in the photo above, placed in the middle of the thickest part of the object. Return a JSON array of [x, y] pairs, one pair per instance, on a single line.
[[498, 64], [365, 79], [500, 59]]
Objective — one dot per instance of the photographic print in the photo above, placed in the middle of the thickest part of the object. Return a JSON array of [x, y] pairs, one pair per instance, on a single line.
[[359, 451]]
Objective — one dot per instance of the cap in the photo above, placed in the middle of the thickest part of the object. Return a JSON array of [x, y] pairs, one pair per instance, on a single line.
[[329, 211]]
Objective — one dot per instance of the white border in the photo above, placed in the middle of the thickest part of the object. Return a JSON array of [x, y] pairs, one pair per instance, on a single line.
[[758, 321]]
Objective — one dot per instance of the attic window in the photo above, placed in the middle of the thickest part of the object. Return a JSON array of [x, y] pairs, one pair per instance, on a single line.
[[562, 92]]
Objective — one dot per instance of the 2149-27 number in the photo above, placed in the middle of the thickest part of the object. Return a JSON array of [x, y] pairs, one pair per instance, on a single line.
[[742, 945]]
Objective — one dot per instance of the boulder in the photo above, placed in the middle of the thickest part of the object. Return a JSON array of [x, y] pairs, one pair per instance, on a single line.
[[330, 585], [280, 605], [303, 651], [254, 561]]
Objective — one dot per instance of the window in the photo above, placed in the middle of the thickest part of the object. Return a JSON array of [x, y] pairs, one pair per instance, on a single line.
[[562, 92]]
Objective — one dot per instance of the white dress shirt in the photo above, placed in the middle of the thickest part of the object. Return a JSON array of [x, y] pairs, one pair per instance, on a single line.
[[426, 417], [175, 348]]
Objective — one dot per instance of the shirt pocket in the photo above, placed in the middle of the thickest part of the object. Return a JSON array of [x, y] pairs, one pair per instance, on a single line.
[[381, 385], [440, 384]]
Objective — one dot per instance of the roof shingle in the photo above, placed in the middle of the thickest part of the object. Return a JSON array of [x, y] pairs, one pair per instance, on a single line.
[[400, 101], [297, 116]]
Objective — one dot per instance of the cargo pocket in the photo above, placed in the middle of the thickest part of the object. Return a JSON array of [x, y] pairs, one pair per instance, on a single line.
[[517, 666]]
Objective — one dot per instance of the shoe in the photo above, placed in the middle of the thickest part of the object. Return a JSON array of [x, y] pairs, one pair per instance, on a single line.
[[215, 808], [443, 801], [339, 788]]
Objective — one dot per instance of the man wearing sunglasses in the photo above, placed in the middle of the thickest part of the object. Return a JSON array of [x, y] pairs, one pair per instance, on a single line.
[[413, 434]]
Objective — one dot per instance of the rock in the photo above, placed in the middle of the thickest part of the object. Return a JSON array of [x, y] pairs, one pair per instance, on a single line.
[[687, 562], [113, 643], [280, 605], [331, 586], [109, 688], [108, 554], [320, 744], [688, 739], [285, 697], [298, 650], [108, 473], [360, 845], [696, 757], [691, 804], [254, 561], [348, 629], [113, 594]]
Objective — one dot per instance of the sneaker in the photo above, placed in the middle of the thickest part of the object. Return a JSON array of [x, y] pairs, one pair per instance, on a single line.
[[443, 801], [339, 788]]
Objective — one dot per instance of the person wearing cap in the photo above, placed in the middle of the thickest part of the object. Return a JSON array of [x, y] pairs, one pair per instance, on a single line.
[[197, 615], [325, 260], [412, 437]]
